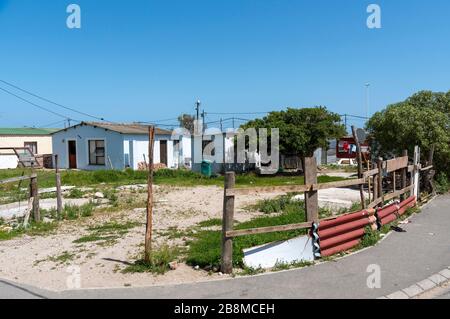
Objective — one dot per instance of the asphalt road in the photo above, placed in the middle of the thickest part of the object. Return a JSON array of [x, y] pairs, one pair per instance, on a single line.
[[403, 258]]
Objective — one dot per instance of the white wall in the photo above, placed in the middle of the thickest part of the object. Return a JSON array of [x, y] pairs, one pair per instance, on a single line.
[[8, 161]]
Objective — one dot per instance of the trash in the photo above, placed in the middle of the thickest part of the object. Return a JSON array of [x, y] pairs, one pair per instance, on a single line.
[[197, 267], [173, 265], [99, 195], [398, 229], [267, 256]]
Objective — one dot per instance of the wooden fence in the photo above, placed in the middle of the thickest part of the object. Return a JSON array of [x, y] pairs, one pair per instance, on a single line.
[[386, 181]]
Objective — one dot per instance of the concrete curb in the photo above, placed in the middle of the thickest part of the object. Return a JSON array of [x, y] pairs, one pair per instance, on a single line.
[[421, 287]]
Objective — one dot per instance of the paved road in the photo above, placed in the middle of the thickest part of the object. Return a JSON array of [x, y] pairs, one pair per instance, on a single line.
[[404, 259]]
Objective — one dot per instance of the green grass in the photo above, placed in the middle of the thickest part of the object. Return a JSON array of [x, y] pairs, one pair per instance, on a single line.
[[46, 178], [107, 233], [159, 263], [74, 193], [34, 229], [204, 249], [210, 222], [279, 266]]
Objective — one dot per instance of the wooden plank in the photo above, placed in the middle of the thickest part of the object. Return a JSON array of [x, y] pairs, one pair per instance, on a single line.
[[294, 188], [265, 230], [17, 179], [371, 172], [396, 164], [404, 176], [380, 178], [426, 168], [227, 226], [390, 196], [59, 205]]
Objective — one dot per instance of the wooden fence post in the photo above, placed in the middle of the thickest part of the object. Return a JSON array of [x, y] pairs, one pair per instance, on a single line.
[[404, 176], [149, 225], [416, 170], [380, 180], [34, 193], [227, 225], [58, 189], [360, 167], [375, 185], [311, 197]]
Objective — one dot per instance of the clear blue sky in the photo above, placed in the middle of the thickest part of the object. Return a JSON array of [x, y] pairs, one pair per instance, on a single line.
[[147, 60]]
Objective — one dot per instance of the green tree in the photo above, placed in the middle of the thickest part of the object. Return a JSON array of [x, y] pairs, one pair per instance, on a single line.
[[423, 120], [187, 121], [302, 131]]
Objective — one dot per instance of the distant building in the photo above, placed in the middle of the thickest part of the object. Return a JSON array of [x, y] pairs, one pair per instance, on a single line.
[[38, 141], [99, 146]]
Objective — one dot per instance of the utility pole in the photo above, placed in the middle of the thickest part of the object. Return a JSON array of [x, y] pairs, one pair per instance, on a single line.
[[367, 99], [197, 108], [203, 120], [345, 122]]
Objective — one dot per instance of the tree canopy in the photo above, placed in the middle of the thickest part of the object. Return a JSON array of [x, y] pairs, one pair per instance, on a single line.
[[423, 119], [302, 131]]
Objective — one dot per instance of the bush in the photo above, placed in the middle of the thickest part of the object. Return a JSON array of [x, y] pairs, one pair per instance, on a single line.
[[442, 183]]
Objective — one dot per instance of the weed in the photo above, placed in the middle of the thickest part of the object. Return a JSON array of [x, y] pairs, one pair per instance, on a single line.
[[251, 271], [75, 193], [210, 222], [159, 263]]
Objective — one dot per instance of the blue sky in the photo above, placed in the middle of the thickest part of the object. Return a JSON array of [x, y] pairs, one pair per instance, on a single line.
[[147, 60]]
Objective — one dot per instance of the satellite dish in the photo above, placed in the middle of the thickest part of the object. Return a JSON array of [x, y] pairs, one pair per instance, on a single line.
[[361, 134]]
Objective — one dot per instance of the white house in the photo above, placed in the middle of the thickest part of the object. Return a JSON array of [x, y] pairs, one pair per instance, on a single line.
[[97, 146], [12, 140]]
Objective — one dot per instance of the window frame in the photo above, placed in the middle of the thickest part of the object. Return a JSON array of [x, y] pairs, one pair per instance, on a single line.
[[96, 140]]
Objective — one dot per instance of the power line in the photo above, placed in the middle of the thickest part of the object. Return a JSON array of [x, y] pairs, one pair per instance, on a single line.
[[36, 105], [52, 102]]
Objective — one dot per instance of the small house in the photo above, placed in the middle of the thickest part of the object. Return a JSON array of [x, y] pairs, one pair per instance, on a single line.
[[17, 141], [99, 146]]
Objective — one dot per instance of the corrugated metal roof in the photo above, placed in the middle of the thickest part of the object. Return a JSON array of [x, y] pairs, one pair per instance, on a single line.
[[26, 131], [126, 128]]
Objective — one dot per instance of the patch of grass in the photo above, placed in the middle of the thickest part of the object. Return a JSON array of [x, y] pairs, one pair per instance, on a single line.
[[64, 258], [73, 212], [371, 238], [93, 238], [279, 266], [181, 177], [204, 249], [159, 263], [107, 233], [74, 193], [34, 229], [250, 271], [210, 222]]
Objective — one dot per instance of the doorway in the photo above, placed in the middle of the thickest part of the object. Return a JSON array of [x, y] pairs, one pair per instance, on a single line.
[[163, 152], [72, 145]]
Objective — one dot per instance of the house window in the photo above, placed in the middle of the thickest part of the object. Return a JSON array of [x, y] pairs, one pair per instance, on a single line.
[[97, 152], [32, 146]]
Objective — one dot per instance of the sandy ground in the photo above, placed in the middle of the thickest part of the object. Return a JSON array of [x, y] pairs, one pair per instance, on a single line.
[[29, 259]]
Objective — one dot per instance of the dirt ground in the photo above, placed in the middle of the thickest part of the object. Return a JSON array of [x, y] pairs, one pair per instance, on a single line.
[[45, 261], [34, 260]]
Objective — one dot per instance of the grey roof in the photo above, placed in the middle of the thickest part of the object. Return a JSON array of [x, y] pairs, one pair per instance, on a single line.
[[133, 128]]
